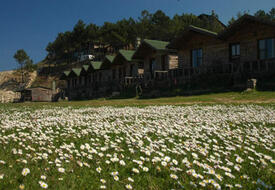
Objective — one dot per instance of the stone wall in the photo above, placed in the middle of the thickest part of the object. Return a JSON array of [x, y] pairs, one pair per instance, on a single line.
[[8, 96]]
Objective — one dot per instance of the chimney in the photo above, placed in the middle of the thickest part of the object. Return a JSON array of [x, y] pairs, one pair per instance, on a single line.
[[138, 42]]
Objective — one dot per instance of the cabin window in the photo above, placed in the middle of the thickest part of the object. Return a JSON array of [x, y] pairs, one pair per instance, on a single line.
[[131, 70], [120, 73], [235, 51], [124, 71], [114, 74], [267, 48], [140, 65], [86, 80], [100, 76], [89, 79], [163, 60], [152, 67], [82, 80], [75, 83], [196, 57]]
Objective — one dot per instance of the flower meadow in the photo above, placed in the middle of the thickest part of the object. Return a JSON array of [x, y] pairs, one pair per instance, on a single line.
[[155, 147]]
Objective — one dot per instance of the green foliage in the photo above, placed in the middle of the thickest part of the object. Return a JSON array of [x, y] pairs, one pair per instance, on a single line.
[[259, 14], [123, 33], [30, 66], [21, 57], [26, 64]]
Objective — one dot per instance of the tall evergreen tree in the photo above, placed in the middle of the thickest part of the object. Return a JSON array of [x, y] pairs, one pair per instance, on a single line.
[[21, 57]]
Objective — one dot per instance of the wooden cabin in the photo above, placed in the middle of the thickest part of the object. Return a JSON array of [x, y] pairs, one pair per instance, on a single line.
[[124, 68], [74, 83], [246, 49], [89, 81], [101, 79], [198, 48], [38, 94], [157, 60], [42, 94], [250, 45], [246, 46]]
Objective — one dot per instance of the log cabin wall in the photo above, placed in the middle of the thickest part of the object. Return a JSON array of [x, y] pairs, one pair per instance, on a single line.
[[248, 36], [217, 51], [170, 62], [134, 66], [147, 61], [214, 50]]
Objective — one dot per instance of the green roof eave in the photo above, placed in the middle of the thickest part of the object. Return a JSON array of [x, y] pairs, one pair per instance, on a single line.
[[110, 58], [127, 54], [202, 30], [178, 42], [76, 71], [157, 44], [96, 65], [85, 67], [66, 73]]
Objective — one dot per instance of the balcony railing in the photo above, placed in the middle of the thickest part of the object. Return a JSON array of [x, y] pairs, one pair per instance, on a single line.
[[130, 80], [161, 75], [249, 67]]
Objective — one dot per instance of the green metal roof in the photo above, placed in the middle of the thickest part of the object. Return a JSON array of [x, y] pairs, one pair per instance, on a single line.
[[178, 42], [96, 64], [156, 44], [110, 58], [127, 54], [202, 30], [77, 71], [66, 73], [85, 67]]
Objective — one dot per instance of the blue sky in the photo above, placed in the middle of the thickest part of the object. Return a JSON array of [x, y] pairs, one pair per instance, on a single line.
[[31, 24]]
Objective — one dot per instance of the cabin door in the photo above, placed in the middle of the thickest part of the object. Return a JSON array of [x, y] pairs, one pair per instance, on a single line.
[[163, 61], [131, 70], [152, 67]]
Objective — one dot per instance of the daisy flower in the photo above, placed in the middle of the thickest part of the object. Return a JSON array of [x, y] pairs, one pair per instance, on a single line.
[[61, 170], [116, 178], [25, 171], [128, 186], [43, 184], [135, 170], [98, 169], [173, 176]]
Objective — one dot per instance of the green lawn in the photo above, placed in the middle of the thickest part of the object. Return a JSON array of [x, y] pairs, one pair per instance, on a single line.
[[255, 97]]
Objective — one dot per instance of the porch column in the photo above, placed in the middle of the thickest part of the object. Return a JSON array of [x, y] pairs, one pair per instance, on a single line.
[[266, 66], [241, 67]]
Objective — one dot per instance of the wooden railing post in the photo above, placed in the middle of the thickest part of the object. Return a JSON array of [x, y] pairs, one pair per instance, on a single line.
[[266, 66]]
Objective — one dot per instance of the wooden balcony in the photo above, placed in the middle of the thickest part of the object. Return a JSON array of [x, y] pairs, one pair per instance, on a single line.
[[251, 68], [130, 80], [161, 75]]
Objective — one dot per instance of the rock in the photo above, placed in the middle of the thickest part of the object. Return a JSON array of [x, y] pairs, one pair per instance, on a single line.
[[8, 96], [10, 82]]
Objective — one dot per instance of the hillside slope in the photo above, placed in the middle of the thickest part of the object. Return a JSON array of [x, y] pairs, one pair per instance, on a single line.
[[10, 82]]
